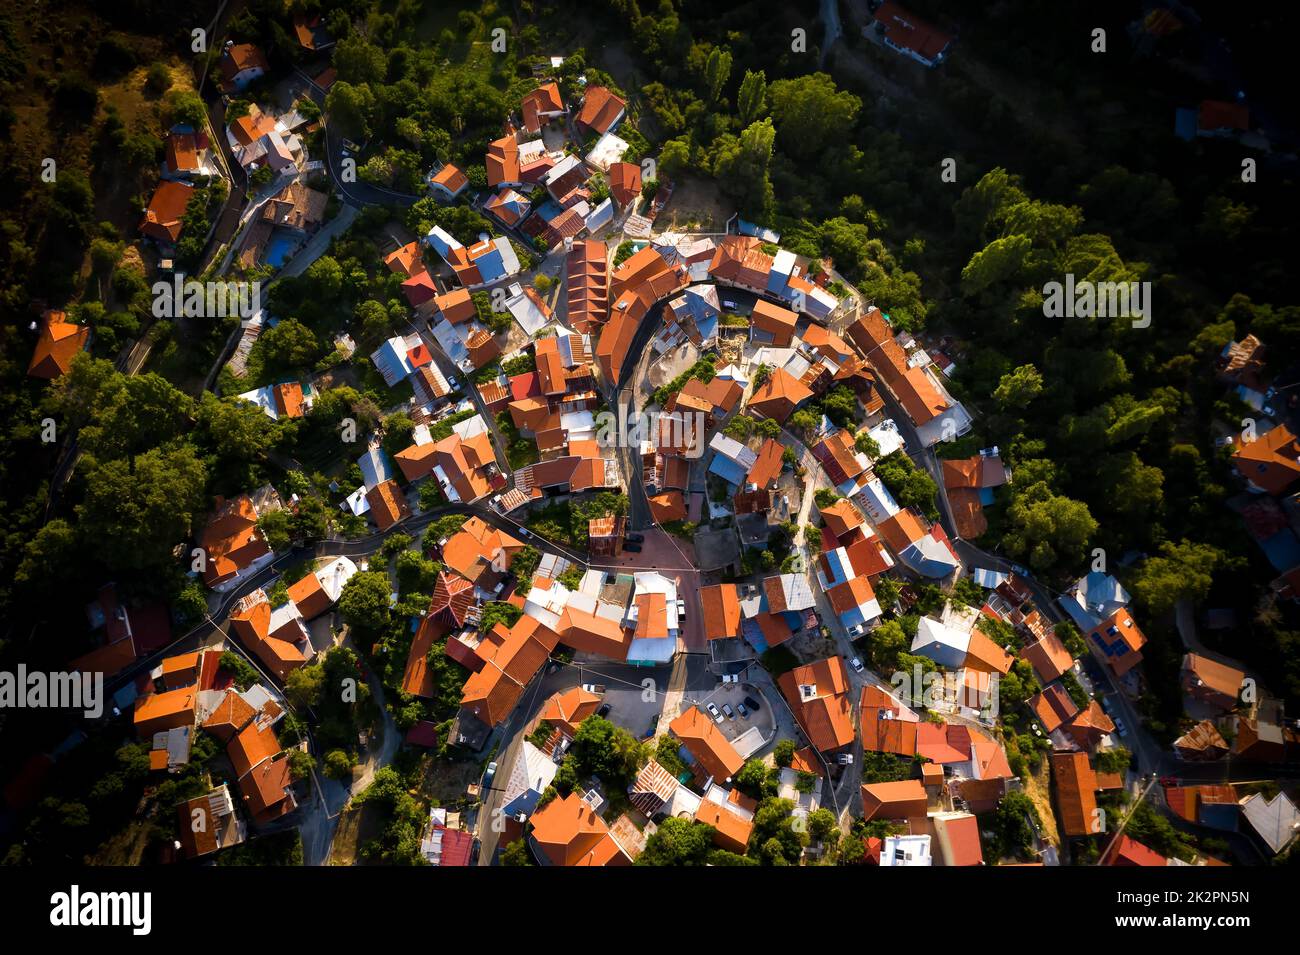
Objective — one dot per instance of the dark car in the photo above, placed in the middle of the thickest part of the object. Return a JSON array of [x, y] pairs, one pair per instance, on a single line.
[[634, 548], [636, 538], [604, 710], [752, 704]]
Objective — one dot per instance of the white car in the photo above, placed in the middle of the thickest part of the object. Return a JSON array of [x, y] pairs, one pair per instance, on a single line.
[[730, 305], [713, 711], [856, 664]]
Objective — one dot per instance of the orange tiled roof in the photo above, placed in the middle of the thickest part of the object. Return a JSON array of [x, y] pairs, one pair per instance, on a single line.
[[600, 108], [721, 607], [387, 504], [701, 736], [1076, 786], [826, 716], [571, 833], [162, 217], [59, 342]]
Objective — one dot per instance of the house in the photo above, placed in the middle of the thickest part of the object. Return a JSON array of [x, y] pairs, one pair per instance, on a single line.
[[1093, 598], [905, 33], [709, 751], [653, 618], [818, 694], [240, 64], [904, 800], [933, 412], [159, 712], [181, 154], [508, 206], [692, 316], [276, 637], [888, 726], [965, 751], [569, 832], [1210, 682], [1089, 726], [387, 504], [541, 106], [1124, 851], [1048, 656], [778, 396], [601, 110], [1076, 786], [448, 182], [720, 605], [463, 463], [59, 342], [565, 182], [566, 710], [625, 183], [511, 659], [531, 774], [1052, 707], [502, 163], [847, 468], [310, 32], [1274, 821], [958, 835], [969, 484], [1119, 641], [772, 324], [731, 814], [653, 789], [605, 535], [1203, 742], [164, 217], [586, 274], [233, 546], [265, 782], [208, 823], [317, 592], [283, 400], [925, 550], [1270, 463]]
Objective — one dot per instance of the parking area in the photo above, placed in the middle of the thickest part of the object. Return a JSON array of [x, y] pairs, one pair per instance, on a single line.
[[632, 708], [733, 695]]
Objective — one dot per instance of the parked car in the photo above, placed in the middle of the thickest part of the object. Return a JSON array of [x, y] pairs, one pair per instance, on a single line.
[[525, 531], [744, 713], [856, 664], [844, 759], [731, 678], [604, 710], [1119, 726], [636, 538], [594, 687], [1106, 704], [726, 708], [856, 630], [634, 548], [731, 305], [713, 711], [489, 772], [752, 704]]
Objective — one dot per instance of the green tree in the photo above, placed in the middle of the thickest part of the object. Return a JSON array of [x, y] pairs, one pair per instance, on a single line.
[[677, 842], [364, 602], [1019, 388], [717, 69], [751, 101], [809, 111]]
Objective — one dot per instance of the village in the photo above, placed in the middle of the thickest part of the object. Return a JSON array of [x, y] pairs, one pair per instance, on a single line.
[[619, 534]]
